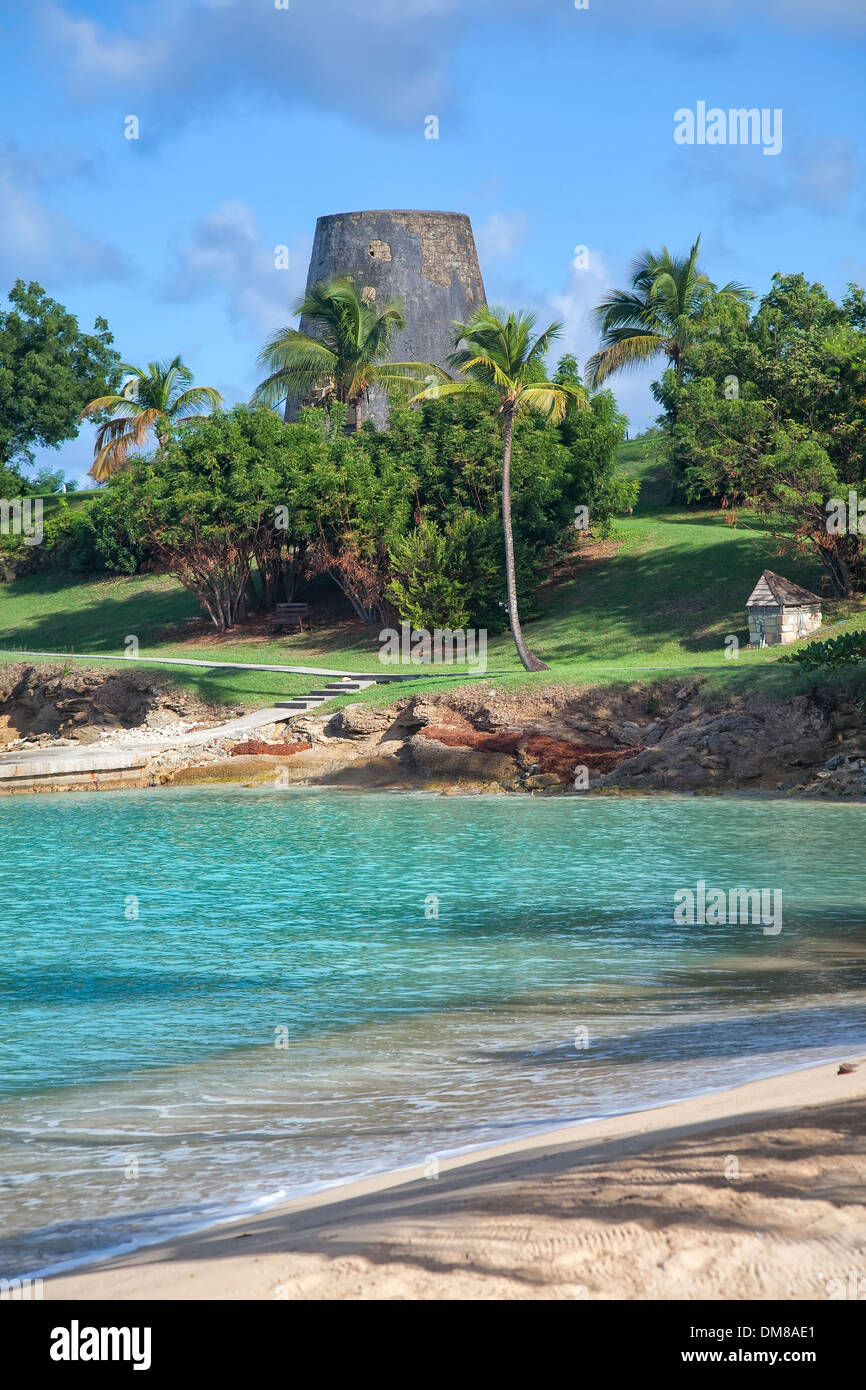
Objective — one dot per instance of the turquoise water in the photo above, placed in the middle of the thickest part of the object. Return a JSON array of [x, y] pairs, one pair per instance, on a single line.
[[212, 999]]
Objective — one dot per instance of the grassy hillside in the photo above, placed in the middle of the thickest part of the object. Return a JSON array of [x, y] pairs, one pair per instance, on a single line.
[[53, 502], [661, 597]]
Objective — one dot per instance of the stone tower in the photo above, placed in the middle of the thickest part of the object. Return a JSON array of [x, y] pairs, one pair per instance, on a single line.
[[426, 261]]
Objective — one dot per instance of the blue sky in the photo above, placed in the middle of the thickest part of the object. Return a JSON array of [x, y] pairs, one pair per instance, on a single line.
[[555, 130]]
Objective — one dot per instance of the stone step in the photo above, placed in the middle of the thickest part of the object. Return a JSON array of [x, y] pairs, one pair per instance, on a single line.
[[328, 692], [347, 687]]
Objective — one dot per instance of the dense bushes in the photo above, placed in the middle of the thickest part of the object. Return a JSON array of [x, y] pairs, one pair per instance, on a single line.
[[94, 539], [452, 451], [239, 506], [845, 650], [771, 413]]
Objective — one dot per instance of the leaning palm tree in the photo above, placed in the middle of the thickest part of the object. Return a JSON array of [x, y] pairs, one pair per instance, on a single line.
[[497, 351], [146, 402], [659, 315], [346, 354]]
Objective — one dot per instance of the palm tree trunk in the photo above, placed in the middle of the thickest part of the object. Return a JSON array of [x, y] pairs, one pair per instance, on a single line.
[[530, 662]]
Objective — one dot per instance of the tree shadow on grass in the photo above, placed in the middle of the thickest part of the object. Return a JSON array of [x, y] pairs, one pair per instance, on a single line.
[[644, 601], [112, 611]]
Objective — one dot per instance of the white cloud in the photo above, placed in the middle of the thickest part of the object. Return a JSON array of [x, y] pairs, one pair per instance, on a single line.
[[842, 14], [99, 56], [36, 240], [227, 252], [820, 175], [386, 63], [721, 15], [573, 306], [500, 235]]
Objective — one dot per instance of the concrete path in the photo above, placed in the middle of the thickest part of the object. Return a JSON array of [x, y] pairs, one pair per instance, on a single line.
[[90, 757], [51, 764], [118, 658], [30, 766]]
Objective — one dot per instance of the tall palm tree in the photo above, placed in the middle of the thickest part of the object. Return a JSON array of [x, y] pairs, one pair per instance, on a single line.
[[349, 354], [659, 314], [147, 400], [497, 351]]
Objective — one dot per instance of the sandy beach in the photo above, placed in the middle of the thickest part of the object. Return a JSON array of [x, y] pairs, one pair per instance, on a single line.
[[755, 1192]]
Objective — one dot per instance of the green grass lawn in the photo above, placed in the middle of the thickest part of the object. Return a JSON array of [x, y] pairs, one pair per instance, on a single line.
[[662, 598], [53, 502]]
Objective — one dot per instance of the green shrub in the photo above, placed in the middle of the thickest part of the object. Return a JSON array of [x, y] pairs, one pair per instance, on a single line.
[[845, 650], [430, 581], [117, 542]]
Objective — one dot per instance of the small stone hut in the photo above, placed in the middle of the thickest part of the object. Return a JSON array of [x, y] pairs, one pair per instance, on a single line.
[[781, 612]]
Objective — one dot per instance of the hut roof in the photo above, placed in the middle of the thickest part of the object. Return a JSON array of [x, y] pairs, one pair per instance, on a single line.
[[773, 589]]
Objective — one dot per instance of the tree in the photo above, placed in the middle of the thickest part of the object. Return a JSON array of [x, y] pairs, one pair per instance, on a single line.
[[349, 354], [359, 502], [771, 414], [48, 370], [205, 502], [592, 438], [427, 587], [497, 352], [51, 480], [146, 403], [661, 313]]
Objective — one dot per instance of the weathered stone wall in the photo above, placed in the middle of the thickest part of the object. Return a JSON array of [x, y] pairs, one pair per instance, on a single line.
[[425, 260], [782, 625]]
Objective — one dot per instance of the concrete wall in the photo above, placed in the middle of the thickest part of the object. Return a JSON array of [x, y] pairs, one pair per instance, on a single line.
[[425, 260]]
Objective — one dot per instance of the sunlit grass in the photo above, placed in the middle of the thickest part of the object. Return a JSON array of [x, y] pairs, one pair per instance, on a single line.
[[663, 602]]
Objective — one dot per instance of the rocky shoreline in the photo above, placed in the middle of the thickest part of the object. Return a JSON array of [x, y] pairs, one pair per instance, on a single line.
[[667, 736]]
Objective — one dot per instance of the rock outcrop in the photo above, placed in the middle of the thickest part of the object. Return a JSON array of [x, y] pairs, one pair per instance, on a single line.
[[46, 702], [670, 736]]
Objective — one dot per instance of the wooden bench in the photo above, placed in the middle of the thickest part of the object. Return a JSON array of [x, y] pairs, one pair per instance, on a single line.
[[291, 615]]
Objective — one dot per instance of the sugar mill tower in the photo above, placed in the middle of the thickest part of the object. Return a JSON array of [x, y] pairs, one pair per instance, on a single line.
[[427, 261]]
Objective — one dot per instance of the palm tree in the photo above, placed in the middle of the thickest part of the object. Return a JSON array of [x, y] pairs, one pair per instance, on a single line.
[[349, 354], [146, 401], [497, 351], [659, 314]]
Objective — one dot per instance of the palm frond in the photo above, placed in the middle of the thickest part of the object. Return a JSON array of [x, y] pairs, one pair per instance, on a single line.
[[541, 346], [289, 345], [446, 388], [101, 403], [423, 369], [276, 387], [401, 378], [116, 440], [629, 352], [576, 393], [162, 389], [622, 308], [737, 291], [544, 399], [377, 339], [488, 369], [197, 399]]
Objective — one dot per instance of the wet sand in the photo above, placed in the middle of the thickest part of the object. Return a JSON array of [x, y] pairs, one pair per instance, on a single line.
[[755, 1192]]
